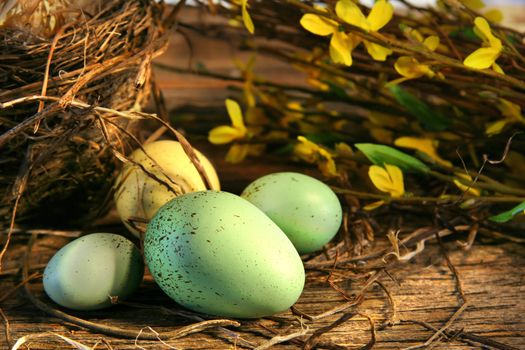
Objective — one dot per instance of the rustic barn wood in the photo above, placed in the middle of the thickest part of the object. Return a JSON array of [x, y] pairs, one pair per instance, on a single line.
[[423, 291]]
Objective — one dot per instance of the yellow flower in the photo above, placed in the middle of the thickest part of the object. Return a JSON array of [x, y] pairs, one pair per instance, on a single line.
[[388, 179], [238, 152], [315, 154], [314, 75], [293, 113], [493, 15], [342, 149], [225, 134], [431, 42], [341, 44], [410, 67], [378, 133], [373, 205], [473, 4], [246, 69], [466, 188], [510, 110], [426, 146], [246, 19], [380, 14], [487, 55], [248, 23], [511, 113]]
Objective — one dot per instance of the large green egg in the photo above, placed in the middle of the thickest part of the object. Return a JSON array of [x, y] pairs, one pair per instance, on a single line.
[[84, 273], [215, 253], [306, 209]]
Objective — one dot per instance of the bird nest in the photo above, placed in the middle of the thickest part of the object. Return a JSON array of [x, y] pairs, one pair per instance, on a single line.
[[65, 103]]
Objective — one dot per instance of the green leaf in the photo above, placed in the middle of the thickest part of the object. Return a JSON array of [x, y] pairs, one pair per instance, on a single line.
[[286, 149], [381, 154], [335, 89], [509, 214], [324, 137], [466, 33], [430, 118]]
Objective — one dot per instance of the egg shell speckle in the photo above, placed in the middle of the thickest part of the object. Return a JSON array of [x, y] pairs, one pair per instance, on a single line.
[[215, 253], [306, 209], [85, 272]]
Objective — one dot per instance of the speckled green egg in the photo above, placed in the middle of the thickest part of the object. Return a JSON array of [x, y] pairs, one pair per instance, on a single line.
[[214, 252], [306, 209], [83, 274]]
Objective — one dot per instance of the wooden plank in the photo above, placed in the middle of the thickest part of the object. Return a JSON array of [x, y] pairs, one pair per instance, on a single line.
[[492, 275]]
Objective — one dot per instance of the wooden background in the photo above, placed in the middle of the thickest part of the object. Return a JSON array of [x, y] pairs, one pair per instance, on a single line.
[[424, 290]]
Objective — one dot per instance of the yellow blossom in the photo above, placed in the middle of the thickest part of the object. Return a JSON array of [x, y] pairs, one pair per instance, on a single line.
[[314, 75], [379, 134], [341, 44], [410, 67], [466, 188], [426, 146], [373, 205], [511, 113], [225, 134], [313, 153], [493, 15], [387, 179], [344, 150], [238, 152], [293, 113], [487, 55], [248, 23], [246, 70], [510, 110], [473, 4], [380, 14]]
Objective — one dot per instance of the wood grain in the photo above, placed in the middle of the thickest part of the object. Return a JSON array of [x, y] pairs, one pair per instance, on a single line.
[[492, 275]]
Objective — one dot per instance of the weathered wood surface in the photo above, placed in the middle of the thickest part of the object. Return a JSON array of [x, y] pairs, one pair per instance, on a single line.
[[493, 278]]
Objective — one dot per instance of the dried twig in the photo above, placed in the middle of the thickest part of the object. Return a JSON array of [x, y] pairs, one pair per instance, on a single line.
[[7, 328], [314, 338], [282, 338]]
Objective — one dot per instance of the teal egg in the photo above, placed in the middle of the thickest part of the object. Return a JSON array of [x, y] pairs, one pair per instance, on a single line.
[[84, 273], [306, 209], [216, 253]]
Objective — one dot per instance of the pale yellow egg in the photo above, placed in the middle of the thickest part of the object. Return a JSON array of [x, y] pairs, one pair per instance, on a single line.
[[139, 195]]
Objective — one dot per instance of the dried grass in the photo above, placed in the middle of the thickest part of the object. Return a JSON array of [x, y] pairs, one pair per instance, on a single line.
[[56, 162]]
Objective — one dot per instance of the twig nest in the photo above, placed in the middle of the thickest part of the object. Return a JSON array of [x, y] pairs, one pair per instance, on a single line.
[[58, 163], [43, 17]]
